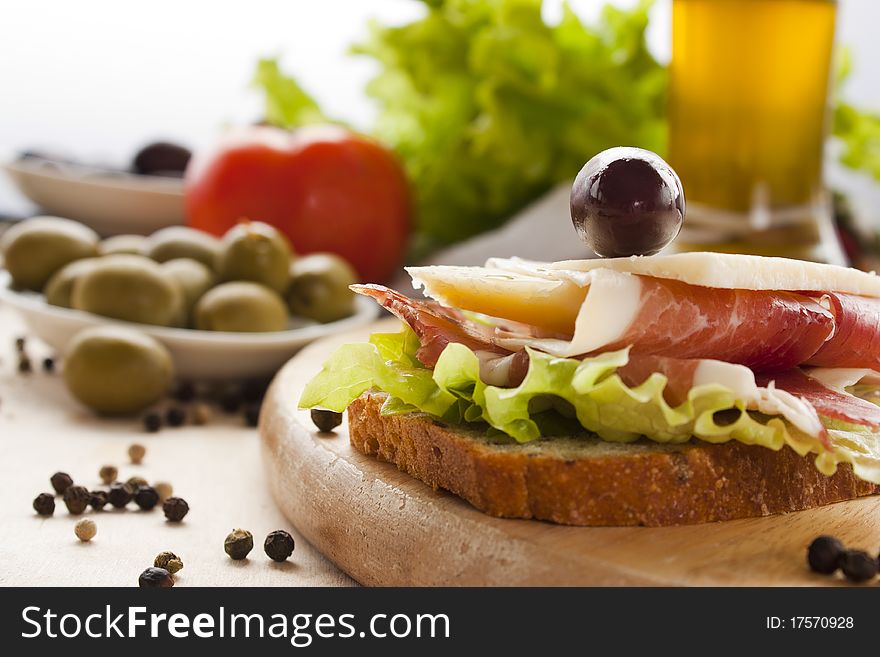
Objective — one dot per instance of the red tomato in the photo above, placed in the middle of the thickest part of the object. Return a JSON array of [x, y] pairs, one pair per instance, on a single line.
[[324, 187]]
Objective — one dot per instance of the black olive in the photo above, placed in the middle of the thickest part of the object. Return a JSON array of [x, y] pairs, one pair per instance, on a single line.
[[161, 159], [627, 201], [325, 420]]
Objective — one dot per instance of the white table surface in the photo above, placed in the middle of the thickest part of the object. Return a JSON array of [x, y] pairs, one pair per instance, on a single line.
[[217, 468]]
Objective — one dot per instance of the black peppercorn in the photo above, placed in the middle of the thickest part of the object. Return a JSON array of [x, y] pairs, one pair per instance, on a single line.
[[824, 554], [279, 545], [858, 565], [48, 364], [252, 416], [77, 499], [146, 497], [44, 504], [325, 420], [238, 544], [24, 365], [119, 495], [184, 392], [155, 578], [230, 401], [98, 499], [254, 390], [152, 422], [175, 416], [175, 508], [61, 481], [20, 344]]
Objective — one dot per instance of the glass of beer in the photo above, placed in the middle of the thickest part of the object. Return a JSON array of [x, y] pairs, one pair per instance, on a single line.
[[749, 88]]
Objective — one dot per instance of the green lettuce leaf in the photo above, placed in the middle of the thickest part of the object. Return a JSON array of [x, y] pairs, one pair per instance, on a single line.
[[560, 396]]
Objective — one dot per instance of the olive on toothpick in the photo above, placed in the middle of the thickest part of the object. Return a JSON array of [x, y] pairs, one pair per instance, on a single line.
[[627, 201]]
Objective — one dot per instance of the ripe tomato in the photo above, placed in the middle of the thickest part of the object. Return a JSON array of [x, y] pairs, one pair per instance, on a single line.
[[326, 188]]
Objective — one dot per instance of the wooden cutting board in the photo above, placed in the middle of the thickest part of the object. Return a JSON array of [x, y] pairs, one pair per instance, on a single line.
[[383, 527]]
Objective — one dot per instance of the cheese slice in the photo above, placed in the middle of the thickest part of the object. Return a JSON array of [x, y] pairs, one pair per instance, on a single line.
[[721, 270], [553, 303]]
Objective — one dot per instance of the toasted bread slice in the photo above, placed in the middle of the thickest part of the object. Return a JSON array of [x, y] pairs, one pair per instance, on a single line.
[[587, 481]]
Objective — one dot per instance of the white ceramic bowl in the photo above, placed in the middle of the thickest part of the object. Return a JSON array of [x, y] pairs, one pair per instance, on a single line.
[[198, 355], [112, 204]]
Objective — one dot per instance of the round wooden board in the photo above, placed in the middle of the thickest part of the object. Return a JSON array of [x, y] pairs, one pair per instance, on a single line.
[[383, 527]]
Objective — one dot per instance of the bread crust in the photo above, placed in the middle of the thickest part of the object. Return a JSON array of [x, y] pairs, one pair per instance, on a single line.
[[590, 483]]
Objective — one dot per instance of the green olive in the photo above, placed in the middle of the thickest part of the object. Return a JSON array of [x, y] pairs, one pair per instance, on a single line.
[[131, 288], [59, 289], [182, 242], [242, 307], [115, 370], [194, 280], [130, 244], [319, 287], [36, 248], [254, 251]]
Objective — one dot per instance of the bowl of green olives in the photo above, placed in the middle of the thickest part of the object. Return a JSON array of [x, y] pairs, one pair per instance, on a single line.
[[236, 307]]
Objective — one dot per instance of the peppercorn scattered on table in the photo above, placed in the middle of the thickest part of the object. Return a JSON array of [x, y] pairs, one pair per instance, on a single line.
[[215, 467]]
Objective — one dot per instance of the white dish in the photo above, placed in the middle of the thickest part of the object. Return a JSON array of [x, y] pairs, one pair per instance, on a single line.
[[198, 355], [112, 204]]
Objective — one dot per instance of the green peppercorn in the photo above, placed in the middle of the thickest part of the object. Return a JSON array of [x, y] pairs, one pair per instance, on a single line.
[[279, 545], [325, 420], [155, 578], [98, 499], [175, 508], [61, 481], [169, 561], [146, 497], [238, 544], [136, 453], [108, 474], [20, 344], [858, 565], [44, 504], [119, 495], [201, 414], [824, 554], [24, 365], [134, 482], [164, 489], [85, 530], [76, 498]]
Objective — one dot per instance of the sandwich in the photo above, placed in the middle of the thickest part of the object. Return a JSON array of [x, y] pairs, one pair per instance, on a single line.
[[643, 390]]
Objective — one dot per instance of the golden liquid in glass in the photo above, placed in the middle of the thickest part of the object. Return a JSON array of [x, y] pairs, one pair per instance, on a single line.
[[749, 83]]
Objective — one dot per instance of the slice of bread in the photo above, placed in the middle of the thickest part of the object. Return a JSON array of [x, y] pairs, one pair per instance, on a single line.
[[587, 481]]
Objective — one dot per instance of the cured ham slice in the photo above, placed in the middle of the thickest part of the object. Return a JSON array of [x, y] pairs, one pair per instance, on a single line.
[[828, 402], [435, 325], [764, 330], [856, 339], [684, 374]]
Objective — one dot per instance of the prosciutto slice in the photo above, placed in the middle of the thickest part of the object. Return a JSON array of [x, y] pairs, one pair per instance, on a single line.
[[764, 330], [435, 325], [856, 339], [831, 403]]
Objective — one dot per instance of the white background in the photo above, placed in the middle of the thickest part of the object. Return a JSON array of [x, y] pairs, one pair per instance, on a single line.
[[98, 78]]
